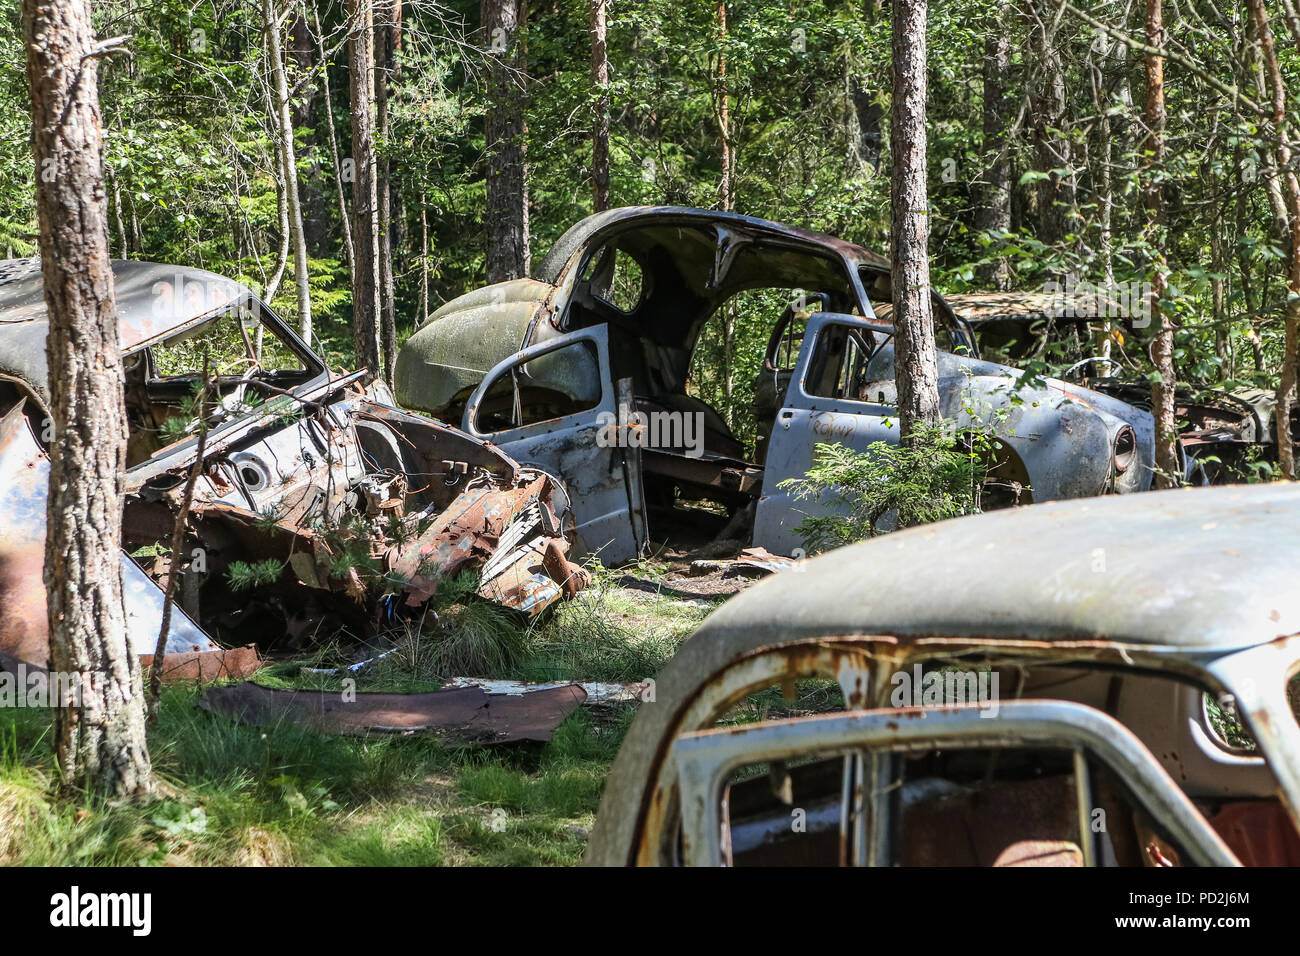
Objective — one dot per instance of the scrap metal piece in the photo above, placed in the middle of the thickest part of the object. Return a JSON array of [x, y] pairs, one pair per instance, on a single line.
[[24, 628], [598, 692], [458, 715]]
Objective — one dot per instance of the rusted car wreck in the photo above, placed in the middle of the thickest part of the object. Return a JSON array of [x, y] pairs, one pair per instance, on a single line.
[[1223, 433], [1064, 717], [560, 369], [318, 506]]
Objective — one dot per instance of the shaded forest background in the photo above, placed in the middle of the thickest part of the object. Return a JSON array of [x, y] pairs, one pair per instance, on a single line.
[[1039, 156]]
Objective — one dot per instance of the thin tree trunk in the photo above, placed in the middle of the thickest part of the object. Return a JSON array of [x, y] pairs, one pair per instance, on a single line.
[[916, 371], [344, 219], [282, 121], [1104, 192], [727, 195], [506, 133], [993, 213], [100, 740], [388, 26], [600, 119], [365, 204], [722, 108], [1168, 474], [424, 261], [1057, 202], [1286, 389]]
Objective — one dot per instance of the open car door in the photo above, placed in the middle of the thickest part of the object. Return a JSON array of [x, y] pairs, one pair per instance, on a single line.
[[838, 393], [553, 406]]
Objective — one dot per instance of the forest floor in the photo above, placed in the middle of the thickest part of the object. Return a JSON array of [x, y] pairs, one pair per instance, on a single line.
[[284, 795]]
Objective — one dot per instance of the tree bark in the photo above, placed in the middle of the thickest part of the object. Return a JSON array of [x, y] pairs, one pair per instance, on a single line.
[[1168, 474], [727, 196], [1103, 189], [505, 133], [365, 204], [722, 109], [993, 213], [388, 32], [1057, 201], [1286, 389], [916, 371], [282, 121], [99, 741], [600, 118]]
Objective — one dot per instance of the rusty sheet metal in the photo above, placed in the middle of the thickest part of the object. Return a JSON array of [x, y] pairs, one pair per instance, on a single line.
[[459, 715], [24, 627], [233, 663], [525, 567]]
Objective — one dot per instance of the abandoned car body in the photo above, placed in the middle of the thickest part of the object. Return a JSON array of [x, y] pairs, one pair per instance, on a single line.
[[337, 509], [1222, 433], [1103, 748], [562, 369]]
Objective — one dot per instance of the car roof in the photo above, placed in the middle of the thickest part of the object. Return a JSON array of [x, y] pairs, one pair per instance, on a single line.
[[614, 220], [152, 299], [1198, 570]]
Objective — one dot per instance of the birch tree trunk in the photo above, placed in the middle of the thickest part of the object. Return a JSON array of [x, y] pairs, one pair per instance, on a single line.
[[916, 371], [282, 120], [344, 219], [99, 741]]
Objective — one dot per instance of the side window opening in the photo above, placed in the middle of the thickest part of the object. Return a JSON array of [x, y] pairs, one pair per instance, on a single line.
[[247, 358], [838, 369], [616, 278], [551, 386]]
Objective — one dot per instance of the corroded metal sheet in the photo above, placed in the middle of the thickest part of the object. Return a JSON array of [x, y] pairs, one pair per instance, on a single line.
[[460, 715]]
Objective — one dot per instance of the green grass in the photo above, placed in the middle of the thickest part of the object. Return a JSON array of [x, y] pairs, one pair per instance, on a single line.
[[283, 795]]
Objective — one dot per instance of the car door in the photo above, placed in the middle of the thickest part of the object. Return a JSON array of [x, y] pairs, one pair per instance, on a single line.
[[553, 406], [842, 390]]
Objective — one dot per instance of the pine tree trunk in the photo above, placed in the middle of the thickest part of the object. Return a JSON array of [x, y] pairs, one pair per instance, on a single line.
[[282, 120], [727, 195], [1286, 389], [600, 120], [388, 27], [1105, 198], [916, 372], [365, 205], [507, 172], [100, 742], [993, 214], [1168, 474]]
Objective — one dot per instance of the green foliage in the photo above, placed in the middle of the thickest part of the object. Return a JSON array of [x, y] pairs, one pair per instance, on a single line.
[[246, 575], [932, 477]]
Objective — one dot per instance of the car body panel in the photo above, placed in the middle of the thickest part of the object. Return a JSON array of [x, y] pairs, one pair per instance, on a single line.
[[692, 261], [1192, 585], [361, 507]]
